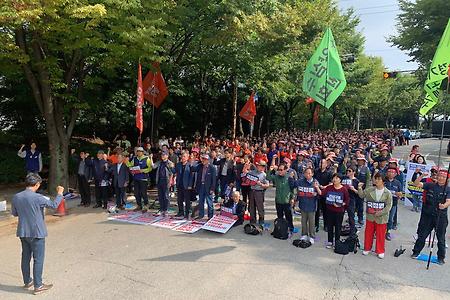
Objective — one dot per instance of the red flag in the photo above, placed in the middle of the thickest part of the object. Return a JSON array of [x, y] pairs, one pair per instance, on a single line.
[[309, 100], [248, 112], [139, 102], [155, 89], [316, 116]]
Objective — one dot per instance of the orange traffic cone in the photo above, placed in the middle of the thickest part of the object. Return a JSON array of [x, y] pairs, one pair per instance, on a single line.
[[61, 210]]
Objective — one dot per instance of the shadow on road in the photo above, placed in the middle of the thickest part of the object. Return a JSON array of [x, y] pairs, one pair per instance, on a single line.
[[192, 256], [13, 289]]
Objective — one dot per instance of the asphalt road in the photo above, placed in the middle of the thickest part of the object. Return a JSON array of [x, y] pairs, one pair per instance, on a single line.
[[88, 257], [429, 148]]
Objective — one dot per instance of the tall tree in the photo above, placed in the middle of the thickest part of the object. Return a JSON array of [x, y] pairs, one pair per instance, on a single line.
[[63, 47]]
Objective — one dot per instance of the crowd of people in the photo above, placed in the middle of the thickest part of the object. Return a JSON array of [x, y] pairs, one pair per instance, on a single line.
[[318, 175]]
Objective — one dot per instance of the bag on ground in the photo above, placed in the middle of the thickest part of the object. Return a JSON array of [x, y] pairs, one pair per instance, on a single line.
[[252, 229], [280, 229]]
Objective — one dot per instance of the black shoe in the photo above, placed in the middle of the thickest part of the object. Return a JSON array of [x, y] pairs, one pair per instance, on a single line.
[[81, 204], [96, 206], [138, 208], [414, 255], [317, 228], [105, 207], [179, 215], [441, 261]]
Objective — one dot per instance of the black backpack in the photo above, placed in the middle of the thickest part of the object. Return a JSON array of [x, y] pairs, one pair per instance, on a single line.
[[350, 244], [280, 229], [345, 231], [252, 229]]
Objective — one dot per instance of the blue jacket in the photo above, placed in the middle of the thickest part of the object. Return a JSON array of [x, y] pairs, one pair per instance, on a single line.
[[210, 178], [188, 176], [32, 161], [306, 194], [29, 207]]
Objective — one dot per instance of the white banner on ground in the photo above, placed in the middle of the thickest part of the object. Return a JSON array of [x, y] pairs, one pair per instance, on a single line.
[[190, 227], [168, 223], [410, 189], [219, 223], [124, 216], [145, 219]]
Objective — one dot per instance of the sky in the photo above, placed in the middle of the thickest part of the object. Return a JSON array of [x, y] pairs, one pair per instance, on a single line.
[[378, 19]]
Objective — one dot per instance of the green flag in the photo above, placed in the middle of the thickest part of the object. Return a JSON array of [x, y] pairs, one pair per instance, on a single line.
[[324, 78], [437, 72]]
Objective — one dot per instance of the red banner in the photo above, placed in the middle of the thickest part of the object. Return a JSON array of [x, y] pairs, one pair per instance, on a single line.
[[155, 89], [248, 112], [139, 102]]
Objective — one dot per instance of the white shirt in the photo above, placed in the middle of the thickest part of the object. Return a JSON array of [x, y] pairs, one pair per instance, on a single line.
[[118, 167], [378, 193]]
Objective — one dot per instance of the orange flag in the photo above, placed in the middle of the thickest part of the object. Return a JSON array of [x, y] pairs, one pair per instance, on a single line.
[[139, 102], [155, 89], [248, 112]]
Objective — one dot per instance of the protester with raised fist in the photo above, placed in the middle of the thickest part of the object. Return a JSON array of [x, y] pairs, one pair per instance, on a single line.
[[29, 207]]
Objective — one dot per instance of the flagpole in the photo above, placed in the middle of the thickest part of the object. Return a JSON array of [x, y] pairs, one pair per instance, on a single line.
[[153, 117]]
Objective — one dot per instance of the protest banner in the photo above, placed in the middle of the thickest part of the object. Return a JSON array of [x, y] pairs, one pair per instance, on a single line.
[[145, 219], [124, 216], [219, 223], [190, 227], [168, 223], [410, 189]]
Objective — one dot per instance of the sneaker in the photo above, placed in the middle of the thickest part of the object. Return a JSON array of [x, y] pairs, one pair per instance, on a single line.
[[304, 237], [329, 245], [42, 288], [381, 255], [311, 240], [388, 236], [440, 261], [414, 255], [395, 227], [138, 208], [29, 285], [365, 252]]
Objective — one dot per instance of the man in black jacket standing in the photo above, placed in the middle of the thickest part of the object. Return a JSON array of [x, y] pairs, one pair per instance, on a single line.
[[226, 171], [121, 177], [84, 174], [434, 214]]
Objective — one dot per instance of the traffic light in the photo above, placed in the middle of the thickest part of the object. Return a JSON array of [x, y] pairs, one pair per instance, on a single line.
[[387, 75]]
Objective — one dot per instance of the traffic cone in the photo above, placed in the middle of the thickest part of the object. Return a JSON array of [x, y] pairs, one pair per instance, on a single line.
[[61, 210]]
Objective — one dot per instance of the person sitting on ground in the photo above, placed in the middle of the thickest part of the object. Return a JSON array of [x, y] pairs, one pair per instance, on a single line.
[[238, 207]]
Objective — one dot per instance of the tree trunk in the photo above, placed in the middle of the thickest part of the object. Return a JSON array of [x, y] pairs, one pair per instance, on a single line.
[[59, 164], [235, 96], [358, 119], [260, 126]]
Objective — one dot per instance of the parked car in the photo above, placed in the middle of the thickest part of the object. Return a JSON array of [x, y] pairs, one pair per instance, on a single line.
[[415, 134]]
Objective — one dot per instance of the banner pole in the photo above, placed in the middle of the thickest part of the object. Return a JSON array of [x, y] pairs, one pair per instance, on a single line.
[[153, 117]]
